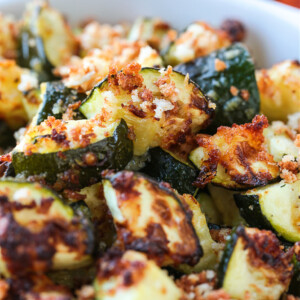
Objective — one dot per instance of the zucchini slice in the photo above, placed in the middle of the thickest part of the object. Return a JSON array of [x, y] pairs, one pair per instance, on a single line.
[[35, 286], [163, 107], [73, 153], [163, 166], [157, 33], [209, 259], [227, 76], [198, 39], [40, 231], [45, 40], [275, 207], [57, 98], [279, 89], [235, 157], [253, 265], [132, 276], [150, 218]]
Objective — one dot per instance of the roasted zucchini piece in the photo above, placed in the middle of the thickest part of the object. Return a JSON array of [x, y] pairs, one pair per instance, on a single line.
[[45, 40], [57, 100], [279, 89], [131, 276], [198, 39], [279, 141], [11, 105], [157, 33], [163, 107], [209, 208], [275, 207], [227, 76], [223, 200], [253, 265], [38, 287], [40, 232], [163, 166], [235, 157], [72, 154], [149, 218], [209, 259], [31, 102]]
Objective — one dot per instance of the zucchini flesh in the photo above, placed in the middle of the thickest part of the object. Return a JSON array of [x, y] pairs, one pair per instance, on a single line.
[[153, 31], [165, 167], [253, 265], [163, 108], [275, 207], [42, 232], [147, 280], [233, 89], [236, 157], [110, 148], [56, 99], [149, 218]]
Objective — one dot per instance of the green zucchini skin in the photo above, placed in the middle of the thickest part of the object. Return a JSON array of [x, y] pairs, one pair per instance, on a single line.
[[238, 73], [229, 248], [250, 210], [58, 94], [6, 136], [164, 167], [294, 287], [32, 56], [68, 167]]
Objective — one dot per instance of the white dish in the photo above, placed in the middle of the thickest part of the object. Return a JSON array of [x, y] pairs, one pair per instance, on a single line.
[[273, 28]]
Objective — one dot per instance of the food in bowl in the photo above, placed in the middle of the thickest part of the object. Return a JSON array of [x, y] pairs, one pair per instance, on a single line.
[[139, 162]]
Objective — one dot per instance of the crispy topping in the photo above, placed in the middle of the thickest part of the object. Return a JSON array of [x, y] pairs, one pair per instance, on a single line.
[[220, 65]]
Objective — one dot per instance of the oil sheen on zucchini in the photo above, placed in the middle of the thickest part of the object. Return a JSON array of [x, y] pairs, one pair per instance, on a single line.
[[165, 167], [227, 76], [150, 218], [75, 155], [254, 266], [147, 281], [162, 107], [40, 232], [275, 207]]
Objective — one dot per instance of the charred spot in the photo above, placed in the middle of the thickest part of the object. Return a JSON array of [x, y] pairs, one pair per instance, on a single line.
[[199, 101], [265, 251], [235, 30], [163, 210], [45, 205], [137, 112], [124, 182], [59, 138]]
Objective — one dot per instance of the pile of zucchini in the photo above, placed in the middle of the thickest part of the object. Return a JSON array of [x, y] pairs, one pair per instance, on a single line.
[[162, 182]]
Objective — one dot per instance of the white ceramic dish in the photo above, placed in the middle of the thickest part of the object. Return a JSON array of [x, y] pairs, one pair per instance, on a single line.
[[273, 28]]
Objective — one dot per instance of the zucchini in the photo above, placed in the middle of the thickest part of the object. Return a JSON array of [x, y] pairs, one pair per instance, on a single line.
[[72, 154], [224, 202], [131, 276], [11, 106], [45, 40], [279, 89], [163, 166], [274, 207], [164, 108], [41, 232], [150, 218], [155, 32], [8, 41], [253, 265], [235, 157], [31, 102], [56, 100], [227, 76], [196, 40], [209, 259], [294, 287], [35, 286]]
